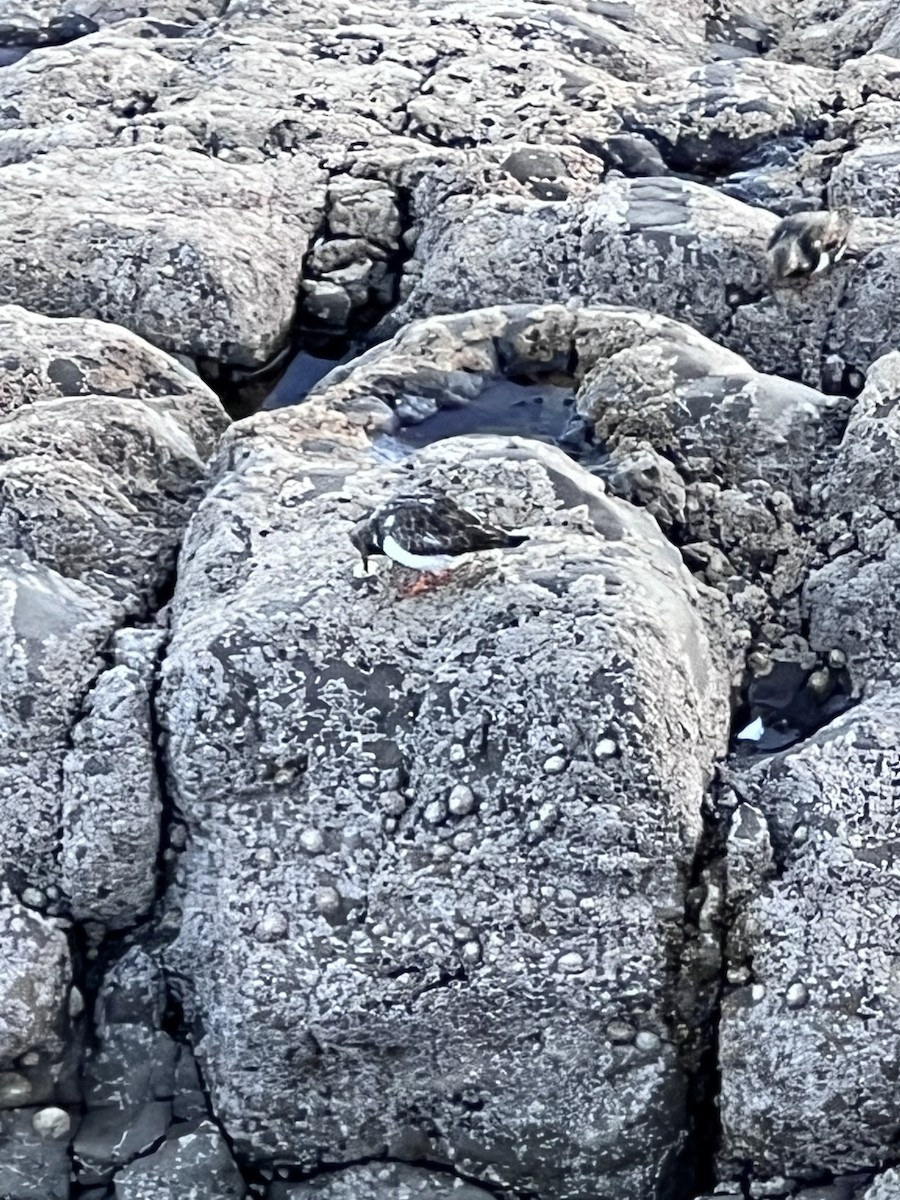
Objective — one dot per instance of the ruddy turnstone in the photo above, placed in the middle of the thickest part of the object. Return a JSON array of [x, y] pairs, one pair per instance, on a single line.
[[807, 243], [429, 534]]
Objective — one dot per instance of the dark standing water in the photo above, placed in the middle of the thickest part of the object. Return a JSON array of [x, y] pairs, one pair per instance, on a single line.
[[305, 370], [540, 410]]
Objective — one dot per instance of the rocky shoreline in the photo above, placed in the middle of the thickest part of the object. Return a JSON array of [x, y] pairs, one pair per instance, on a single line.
[[576, 878]]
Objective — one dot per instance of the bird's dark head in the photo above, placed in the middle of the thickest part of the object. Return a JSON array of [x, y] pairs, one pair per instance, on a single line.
[[362, 535]]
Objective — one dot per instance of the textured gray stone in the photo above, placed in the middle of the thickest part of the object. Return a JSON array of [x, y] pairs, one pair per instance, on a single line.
[[378, 1181], [400, 956], [809, 1047], [34, 982], [212, 273], [851, 600], [195, 1165], [111, 806]]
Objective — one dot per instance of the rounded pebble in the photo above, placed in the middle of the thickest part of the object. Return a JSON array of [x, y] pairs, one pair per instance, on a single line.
[[797, 995], [758, 991], [457, 753], [76, 1002], [471, 952], [393, 803], [571, 962], [605, 748], [647, 1040], [51, 1122], [620, 1032], [554, 765], [836, 659], [33, 897], [367, 779], [435, 812], [328, 901], [462, 800], [311, 841], [284, 776], [272, 928]]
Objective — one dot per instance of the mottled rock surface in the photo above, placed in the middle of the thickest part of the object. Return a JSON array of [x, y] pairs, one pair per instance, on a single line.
[[419, 890], [808, 1045], [450, 878]]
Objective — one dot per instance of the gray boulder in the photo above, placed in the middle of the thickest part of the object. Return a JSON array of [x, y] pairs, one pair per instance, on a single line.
[[390, 926], [213, 274]]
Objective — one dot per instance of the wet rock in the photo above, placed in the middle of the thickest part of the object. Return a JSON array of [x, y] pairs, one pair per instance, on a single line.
[[379, 1181], [195, 1163], [809, 1052], [34, 1164], [136, 1079]]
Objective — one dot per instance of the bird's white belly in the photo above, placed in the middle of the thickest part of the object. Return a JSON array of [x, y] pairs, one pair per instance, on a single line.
[[418, 562]]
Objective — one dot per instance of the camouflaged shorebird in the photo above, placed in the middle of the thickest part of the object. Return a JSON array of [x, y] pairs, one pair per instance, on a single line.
[[807, 243], [428, 534]]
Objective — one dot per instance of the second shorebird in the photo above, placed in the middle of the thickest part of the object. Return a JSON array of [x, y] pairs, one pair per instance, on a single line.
[[429, 534], [806, 244]]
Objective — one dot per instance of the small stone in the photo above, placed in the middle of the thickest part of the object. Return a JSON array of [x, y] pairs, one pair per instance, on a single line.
[[738, 975], [760, 663], [51, 1122], [571, 963], [463, 933], [264, 857], [284, 776], [435, 812], [620, 1032], [31, 1059], [367, 779], [457, 753], [647, 1041], [312, 841], [441, 852], [272, 928], [76, 1002], [606, 748], [328, 901], [33, 898], [462, 800], [471, 952], [797, 995], [821, 684], [836, 659], [464, 840], [554, 765], [177, 835], [393, 803], [757, 992], [800, 834]]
